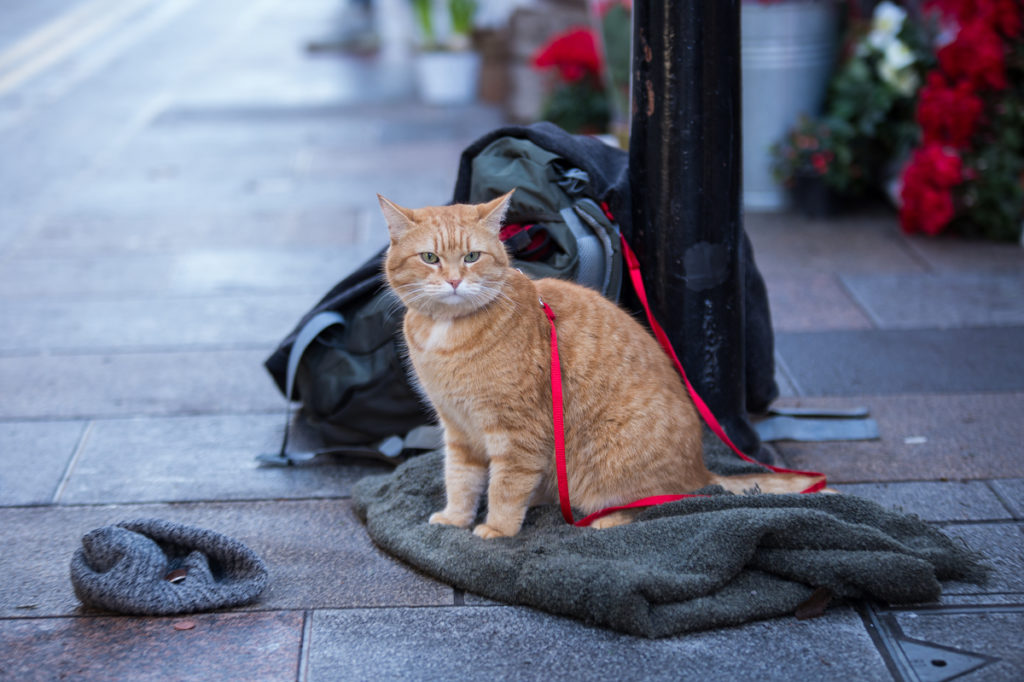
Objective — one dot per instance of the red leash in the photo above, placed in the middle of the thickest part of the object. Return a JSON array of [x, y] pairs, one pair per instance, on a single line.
[[705, 412]]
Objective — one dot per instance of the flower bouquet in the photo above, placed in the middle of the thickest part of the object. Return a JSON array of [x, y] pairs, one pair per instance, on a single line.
[[966, 175]]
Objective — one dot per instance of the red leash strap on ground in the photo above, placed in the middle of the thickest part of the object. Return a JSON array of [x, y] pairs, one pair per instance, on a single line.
[[705, 412]]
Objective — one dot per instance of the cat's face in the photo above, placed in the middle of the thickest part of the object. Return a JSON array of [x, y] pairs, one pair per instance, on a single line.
[[446, 261]]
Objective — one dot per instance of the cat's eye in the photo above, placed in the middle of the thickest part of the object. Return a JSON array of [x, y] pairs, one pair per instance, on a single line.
[[429, 257], [472, 257]]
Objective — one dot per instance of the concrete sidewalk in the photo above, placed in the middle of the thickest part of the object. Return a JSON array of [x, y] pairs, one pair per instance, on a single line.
[[178, 191]]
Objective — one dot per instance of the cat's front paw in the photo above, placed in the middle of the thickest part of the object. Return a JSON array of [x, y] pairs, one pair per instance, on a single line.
[[489, 532], [448, 518]]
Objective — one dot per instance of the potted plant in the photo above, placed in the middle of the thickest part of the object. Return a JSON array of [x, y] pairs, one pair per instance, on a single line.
[[446, 66], [815, 161], [577, 100]]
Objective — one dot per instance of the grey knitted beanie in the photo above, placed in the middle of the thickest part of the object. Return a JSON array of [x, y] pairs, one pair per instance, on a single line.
[[154, 567]]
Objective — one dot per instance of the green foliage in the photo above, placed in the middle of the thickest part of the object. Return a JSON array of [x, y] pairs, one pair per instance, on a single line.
[[462, 13], [579, 107], [423, 11], [992, 198]]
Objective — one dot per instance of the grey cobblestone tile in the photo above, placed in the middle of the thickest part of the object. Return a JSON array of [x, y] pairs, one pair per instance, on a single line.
[[812, 301], [503, 642], [309, 271], [33, 459], [239, 646], [199, 458], [1011, 492], [1001, 545], [131, 384], [881, 362], [941, 300], [923, 437], [51, 324], [865, 242], [933, 500]]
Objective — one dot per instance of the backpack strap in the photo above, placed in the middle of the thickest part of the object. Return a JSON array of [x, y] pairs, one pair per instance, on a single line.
[[309, 331]]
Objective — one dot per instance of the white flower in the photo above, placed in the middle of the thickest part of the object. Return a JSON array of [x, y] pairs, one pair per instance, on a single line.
[[897, 55], [893, 69], [886, 23]]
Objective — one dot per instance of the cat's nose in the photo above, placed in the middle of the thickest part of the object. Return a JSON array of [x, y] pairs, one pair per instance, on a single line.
[[455, 283]]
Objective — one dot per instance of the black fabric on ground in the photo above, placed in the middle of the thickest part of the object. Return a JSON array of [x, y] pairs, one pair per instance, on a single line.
[[690, 565]]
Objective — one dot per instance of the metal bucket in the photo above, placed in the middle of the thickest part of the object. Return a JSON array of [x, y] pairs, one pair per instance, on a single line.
[[788, 50]]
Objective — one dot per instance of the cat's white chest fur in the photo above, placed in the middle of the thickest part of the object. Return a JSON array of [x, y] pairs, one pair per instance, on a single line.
[[437, 337]]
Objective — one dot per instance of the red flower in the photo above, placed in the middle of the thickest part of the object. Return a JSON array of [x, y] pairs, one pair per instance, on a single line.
[[948, 114], [927, 199], [820, 161], [573, 53], [1008, 17], [977, 55], [1005, 16]]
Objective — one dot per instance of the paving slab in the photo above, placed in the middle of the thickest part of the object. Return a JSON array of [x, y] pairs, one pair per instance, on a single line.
[[112, 231], [878, 362], [33, 459], [1011, 492], [864, 241], [199, 458], [317, 552], [61, 129], [239, 646], [33, 325], [1001, 545], [923, 437], [934, 500], [202, 271], [135, 384], [812, 301], [501, 642], [954, 254], [940, 300], [782, 380], [991, 633]]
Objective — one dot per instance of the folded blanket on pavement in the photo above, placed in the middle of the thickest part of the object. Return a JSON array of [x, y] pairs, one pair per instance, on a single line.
[[689, 565]]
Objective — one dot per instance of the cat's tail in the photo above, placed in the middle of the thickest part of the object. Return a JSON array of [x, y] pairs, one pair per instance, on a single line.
[[776, 483]]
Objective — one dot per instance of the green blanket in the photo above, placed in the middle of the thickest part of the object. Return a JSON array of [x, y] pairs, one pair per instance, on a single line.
[[689, 565]]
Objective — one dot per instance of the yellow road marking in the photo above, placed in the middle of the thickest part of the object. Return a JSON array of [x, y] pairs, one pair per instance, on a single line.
[[61, 38]]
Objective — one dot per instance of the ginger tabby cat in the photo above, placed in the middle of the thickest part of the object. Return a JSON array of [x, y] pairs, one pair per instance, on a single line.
[[479, 342]]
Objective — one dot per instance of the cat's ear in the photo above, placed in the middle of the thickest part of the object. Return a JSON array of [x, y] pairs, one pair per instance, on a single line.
[[399, 219], [492, 214]]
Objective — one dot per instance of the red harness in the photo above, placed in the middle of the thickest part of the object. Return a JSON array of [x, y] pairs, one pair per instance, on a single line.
[[702, 408]]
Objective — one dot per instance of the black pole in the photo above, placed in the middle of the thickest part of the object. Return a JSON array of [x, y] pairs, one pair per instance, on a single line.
[[685, 180]]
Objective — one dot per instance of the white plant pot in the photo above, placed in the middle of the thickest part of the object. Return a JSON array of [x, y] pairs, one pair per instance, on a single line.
[[448, 78], [787, 53]]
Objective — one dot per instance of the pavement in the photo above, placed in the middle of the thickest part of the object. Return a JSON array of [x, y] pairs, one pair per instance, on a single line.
[[181, 180]]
